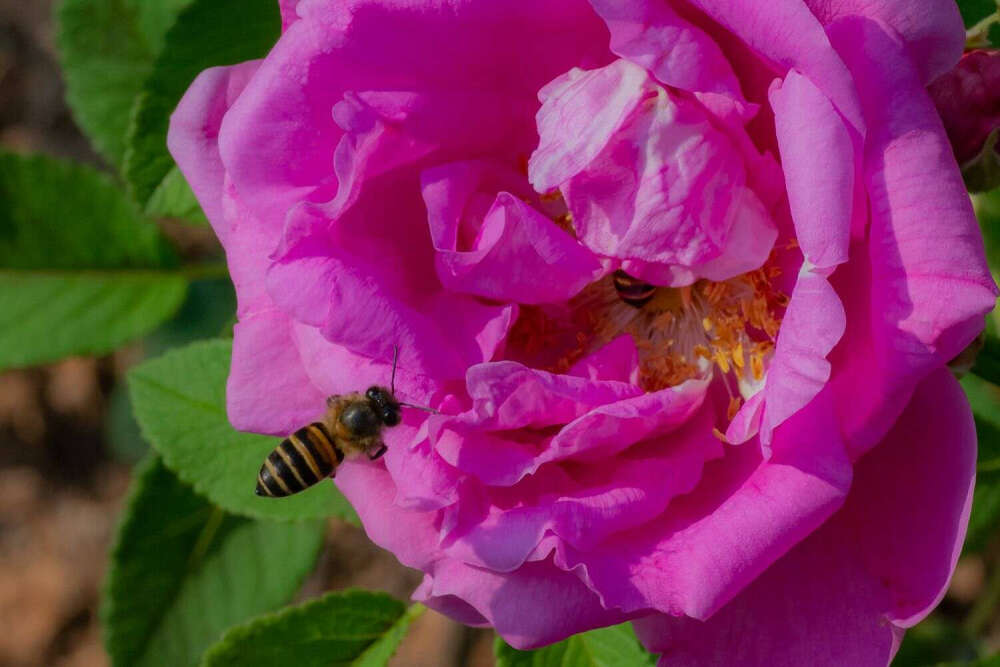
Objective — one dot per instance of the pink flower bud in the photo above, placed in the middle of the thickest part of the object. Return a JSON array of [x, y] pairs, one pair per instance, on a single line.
[[968, 99]]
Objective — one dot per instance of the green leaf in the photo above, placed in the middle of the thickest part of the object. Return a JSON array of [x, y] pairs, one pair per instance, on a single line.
[[173, 198], [355, 628], [205, 35], [615, 646], [80, 271], [182, 571], [106, 48], [936, 640], [179, 400]]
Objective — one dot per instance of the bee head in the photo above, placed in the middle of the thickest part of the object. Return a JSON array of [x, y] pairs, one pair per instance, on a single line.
[[384, 404]]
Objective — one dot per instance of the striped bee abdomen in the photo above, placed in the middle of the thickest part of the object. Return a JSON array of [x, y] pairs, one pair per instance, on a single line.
[[300, 461], [631, 290]]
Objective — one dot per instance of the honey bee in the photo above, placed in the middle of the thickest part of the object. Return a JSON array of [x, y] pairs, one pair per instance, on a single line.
[[632, 291], [351, 426]]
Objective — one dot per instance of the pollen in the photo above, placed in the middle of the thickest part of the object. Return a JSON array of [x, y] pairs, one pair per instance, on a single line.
[[726, 328]]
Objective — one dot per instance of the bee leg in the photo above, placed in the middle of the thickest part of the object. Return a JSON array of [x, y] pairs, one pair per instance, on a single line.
[[330, 400], [377, 454]]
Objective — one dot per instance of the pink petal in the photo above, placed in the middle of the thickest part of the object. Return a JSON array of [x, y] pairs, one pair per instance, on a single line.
[[818, 158], [410, 535], [517, 254], [601, 498], [787, 33], [745, 514], [536, 605], [194, 133], [920, 295], [932, 29], [288, 15], [813, 324], [617, 361], [843, 595], [269, 390], [651, 34]]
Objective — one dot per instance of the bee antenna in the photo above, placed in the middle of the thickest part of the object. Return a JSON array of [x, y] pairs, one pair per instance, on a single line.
[[420, 407], [395, 357]]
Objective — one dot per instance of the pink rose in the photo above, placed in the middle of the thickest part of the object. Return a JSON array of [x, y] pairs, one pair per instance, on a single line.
[[681, 277]]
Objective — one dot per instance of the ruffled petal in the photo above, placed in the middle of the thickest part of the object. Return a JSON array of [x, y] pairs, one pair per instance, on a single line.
[[843, 596], [651, 34], [510, 253], [745, 514]]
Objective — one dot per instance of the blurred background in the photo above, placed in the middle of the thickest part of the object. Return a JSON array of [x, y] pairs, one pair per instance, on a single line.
[[68, 443]]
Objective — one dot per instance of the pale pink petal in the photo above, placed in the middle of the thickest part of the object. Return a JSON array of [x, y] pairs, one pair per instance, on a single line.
[[193, 139], [813, 324], [509, 253], [288, 15], [651, 34], [268, 389], [818, 158]]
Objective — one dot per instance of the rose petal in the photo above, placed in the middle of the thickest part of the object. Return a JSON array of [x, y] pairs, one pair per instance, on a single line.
[[651, 34], [813, 324], [843, 595], [744, 514], [920, 295], [268, 389], [194, 133], [518, 254], [819, 164], [787, 33], [932, 29], [537, 604]]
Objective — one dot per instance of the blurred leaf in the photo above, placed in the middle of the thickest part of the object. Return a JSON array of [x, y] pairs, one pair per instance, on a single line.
[[206, 34], [208, 308], [987, 205], [993, 37], [974, 11], [121, 431], [180, 402], [173, 198], [935, 640], [616, 646], [182, 571], [350, 628], [984, 398], [106, 48], [80, 271]]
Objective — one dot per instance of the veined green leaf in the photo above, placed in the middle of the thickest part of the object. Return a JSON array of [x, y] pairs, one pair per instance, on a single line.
[[356, 628], [81, 272], [182, 571]]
